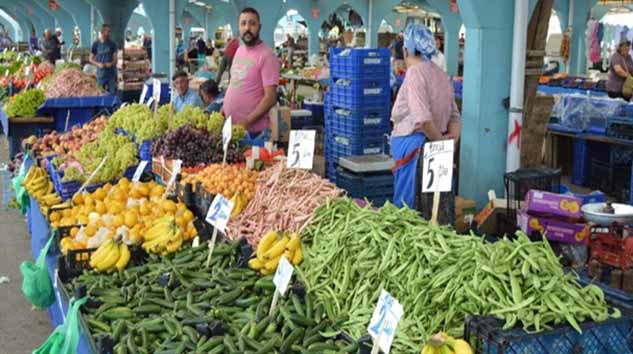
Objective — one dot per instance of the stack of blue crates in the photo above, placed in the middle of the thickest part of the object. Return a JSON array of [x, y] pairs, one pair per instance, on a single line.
[[357, 106]]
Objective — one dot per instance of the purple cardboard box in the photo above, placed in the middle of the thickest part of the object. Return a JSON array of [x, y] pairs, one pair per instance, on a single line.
[[554, 229], [553, 204]]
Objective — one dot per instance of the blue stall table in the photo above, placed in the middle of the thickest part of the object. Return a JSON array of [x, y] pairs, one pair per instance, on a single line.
[[556, 90], [77, 110], [16, 129]]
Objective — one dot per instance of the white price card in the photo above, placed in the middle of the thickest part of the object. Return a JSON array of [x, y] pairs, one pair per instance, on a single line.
[[150, 101], [143, 94], [301, 149], [156, 87], [139, 171], [283, 275], [219, 212], [438, 166], [5, 50], [175, 170], [384, 321], [6, 72], [227, 133]]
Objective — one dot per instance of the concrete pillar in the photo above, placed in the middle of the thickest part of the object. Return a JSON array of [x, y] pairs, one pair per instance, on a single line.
[[158, 13], [380, 10], [117, 13], [63, 19], [138, 20], [578, 49], [25, 22], [81, 12], [562, 11], [452, 22], [488, 55], [32, 11]]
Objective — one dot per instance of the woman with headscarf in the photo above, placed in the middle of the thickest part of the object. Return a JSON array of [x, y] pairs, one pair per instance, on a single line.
[[424, 110]]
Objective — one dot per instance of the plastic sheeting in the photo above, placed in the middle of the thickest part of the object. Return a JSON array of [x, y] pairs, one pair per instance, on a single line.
[[576, 110]]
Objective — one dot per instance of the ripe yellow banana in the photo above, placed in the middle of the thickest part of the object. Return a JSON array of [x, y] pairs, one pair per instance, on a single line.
[[276, 250], [98, 255], [265, 243], [109, 260], [124, 257]]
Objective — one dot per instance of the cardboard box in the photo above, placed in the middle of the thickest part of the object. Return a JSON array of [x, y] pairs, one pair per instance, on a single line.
[[554, 229], [465, 211], [547, 203], [318, 165], [491, 216], [280, 123]]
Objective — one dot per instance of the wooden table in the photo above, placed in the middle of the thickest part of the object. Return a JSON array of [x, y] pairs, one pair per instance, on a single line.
[[30, 120]]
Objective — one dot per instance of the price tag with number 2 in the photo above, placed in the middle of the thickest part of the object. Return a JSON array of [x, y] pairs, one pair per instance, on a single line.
[[219, 212], [384, 321]]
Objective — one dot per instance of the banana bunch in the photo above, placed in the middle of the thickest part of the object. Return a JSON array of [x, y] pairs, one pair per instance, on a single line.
[[40, 187], [110, 255], [270, 249], [442, 343], [239, 203], [164, 236]]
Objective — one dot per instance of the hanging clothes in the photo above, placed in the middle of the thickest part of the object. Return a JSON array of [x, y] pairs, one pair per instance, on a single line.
[[594, 53]]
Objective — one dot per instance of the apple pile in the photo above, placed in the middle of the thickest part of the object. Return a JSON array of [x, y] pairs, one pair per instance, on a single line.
[[56, 143]]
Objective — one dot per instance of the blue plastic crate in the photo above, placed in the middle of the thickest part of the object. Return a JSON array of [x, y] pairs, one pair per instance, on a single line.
[[317, 109], [612, 336], [359, 62], [597, 126], [344, 146], [79, 110], [330, 171], [361, 91], [365, 186], [362, 122], [354, 101], [620, 154], [145, 151], [580, 162], [301, 122]]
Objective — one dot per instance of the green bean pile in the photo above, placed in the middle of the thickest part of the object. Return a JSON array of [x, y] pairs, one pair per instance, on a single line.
[[438, 276]]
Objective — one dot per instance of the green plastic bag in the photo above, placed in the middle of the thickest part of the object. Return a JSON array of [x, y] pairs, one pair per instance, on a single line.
[[65, 337], [36, 282], [21, 195]]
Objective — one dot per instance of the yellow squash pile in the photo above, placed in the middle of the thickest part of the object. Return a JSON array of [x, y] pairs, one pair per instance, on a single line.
[[39, 186], [111, 255], [442, 343], [270, 249]]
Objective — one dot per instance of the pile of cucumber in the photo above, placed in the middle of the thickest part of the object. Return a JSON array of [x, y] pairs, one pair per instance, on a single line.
[[174, 305]]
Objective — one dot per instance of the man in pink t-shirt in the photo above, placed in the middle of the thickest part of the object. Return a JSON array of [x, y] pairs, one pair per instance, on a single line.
[[252, 90]]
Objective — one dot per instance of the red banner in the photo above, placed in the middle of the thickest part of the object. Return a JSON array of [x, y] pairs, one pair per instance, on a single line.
[[454, 7], [316, 13], [53, 5]]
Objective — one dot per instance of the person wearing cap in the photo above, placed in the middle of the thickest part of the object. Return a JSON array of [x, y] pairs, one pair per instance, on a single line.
[[424, 111], [211, 96], [620, 69], [184, 95]]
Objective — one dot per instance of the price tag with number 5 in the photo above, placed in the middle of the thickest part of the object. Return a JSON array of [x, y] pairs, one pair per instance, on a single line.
[[301, 149], [383, 323], [438, 166], [219, 212]]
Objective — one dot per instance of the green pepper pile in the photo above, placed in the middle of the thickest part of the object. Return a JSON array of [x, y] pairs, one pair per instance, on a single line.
[[174, 304]]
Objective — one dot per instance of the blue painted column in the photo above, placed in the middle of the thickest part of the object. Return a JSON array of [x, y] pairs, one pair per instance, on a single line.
[[578, 48], [30, 10], [138, 20], [158, 13], [379, 11], [488, 59], [116, 13], [452, 23], [25, 22], [81, 13]]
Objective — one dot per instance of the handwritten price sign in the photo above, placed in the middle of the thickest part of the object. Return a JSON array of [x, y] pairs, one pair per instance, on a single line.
[[438, 166]]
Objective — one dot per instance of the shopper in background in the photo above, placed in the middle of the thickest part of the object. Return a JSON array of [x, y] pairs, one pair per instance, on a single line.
[[211, 96], [104, 57], [147, 45], [227, 58], [438, 58], [252, 90], [60, 43], [49, 46], [424, 110], [184, 95], [290, 49], [620, 70], [397, 53]]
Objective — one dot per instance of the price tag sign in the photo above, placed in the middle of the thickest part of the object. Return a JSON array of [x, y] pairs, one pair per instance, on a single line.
[[143, 94], [156, 87], [27, 71], [384, 321], [219, 212], [175, 170], [283, 275], [5, 50], [227, 132], [301, 149], [6, 72], [438, 166], [150, 101], [139, 171]]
